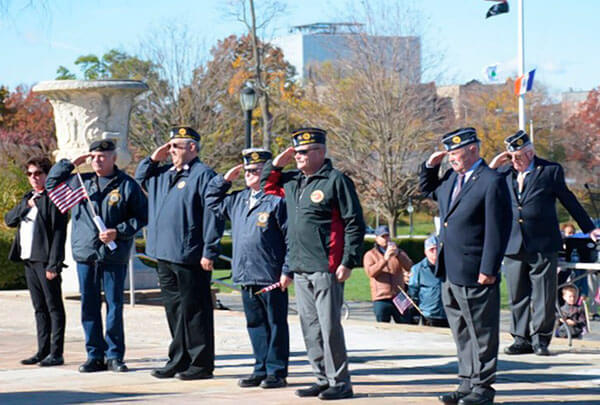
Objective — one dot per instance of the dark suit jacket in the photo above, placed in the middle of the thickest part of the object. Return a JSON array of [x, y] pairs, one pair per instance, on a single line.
[[535, 223], [474, 231], [49, 233]]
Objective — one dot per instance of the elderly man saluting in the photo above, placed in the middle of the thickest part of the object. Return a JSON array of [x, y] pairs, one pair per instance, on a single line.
[[325, 235], [475, 215], [183, 235], [531, 255], [102, 256]]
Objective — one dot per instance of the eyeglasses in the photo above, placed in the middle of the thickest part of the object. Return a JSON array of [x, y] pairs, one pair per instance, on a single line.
[[304, 151], [253, 171], [178, 146], [36, 173]]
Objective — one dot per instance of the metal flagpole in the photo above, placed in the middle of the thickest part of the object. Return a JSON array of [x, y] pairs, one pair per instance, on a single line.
[[521, 61]]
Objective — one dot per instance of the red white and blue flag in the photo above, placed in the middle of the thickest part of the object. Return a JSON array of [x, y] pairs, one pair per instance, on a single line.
[[524, 83], [402, 302], [67, 194]]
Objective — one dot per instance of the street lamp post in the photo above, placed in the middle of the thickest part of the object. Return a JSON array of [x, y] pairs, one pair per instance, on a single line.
[[248, 101], [410, 210]]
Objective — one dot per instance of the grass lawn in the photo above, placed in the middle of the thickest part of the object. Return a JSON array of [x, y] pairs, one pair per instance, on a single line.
[[357, 287]]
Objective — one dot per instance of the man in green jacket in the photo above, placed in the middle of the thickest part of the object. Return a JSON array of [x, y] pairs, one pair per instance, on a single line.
[[325, 236]]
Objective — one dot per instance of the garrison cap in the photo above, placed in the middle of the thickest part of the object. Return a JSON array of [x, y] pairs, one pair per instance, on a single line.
[[382, 230], [431, 242], [253, 156], [184, 133], [517, 141], [103, 145], [459, 138], [307, 136]]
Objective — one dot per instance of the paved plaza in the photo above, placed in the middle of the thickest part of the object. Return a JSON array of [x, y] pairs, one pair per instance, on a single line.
[[389, 364]]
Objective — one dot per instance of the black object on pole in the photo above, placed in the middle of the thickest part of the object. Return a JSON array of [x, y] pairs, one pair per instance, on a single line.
[[248, 101]]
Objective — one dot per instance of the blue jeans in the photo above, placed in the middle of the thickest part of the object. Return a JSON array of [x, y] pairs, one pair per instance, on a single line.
[[385, 310], [93, 278], [266, 321]]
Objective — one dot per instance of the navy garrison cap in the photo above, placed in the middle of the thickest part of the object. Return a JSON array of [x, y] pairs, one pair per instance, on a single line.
[[254, 156], [382, 230], [103, 145], [517, 141], [459, 138], [307, 136], [184, 133]]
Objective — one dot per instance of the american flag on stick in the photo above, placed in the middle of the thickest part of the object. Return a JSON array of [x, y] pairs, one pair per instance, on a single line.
[[268, 288], [67, 194], [403, 302]]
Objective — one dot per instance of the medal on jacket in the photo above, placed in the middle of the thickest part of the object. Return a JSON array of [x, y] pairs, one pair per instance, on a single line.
[[317, 196], [263, 218], [181, 184]]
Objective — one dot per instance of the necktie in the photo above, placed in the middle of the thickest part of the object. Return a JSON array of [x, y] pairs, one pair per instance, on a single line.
[[457, 187], [521, 181]]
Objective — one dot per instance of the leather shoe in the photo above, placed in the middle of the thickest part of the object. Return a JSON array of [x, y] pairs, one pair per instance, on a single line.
[[336, 393], [163, 372], [32, 360], [273, 382], [251, 381], [542, 350], [194, 375], [51, 360], [312, 391], [117, 365], [92, 365], [475, 398], [452, 397], [519, 348]]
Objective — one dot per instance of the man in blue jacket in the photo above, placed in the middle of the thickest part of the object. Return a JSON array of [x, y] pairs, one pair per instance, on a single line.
[[258, 222], [475, 220], [183, 235], [119, 201]]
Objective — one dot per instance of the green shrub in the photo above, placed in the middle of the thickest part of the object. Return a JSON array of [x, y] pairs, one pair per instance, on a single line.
[[12, 276]]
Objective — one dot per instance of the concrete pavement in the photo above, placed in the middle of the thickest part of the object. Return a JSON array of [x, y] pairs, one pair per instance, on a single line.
[[389, 364]]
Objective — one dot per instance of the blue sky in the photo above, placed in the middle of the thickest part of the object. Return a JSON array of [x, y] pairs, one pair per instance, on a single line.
[[561, 36]]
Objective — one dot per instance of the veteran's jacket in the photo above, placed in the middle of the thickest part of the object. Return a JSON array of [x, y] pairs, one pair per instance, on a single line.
[[535, 223], [258, 233], [475, 229], [121, 204], [325, 219], [181, 228]]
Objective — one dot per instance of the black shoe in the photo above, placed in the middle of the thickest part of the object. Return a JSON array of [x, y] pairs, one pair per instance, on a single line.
[[519, 348], [51, 360], [36, 358], [92, 365], [595, 317], [163, 372], [542, 350], [452, 397], [252, 380], [475, 398], [117, 365], [273, 382], [191, 374], [336, 393], [313, 391]]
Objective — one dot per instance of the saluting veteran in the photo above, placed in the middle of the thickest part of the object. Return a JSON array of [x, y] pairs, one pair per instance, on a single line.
[[325, 236], [259, 224], [122, 206], [475, 215], [531, 255], [183, 235]]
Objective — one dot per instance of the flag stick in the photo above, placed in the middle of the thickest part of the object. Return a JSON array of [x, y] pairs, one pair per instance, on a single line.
[[521, 62], [411, 301], [587, 317]]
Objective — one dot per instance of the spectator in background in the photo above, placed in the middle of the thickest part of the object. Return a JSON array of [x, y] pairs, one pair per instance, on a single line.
[[426, 289], [581, 284], [572, 316], [40, 244], [388, 267]]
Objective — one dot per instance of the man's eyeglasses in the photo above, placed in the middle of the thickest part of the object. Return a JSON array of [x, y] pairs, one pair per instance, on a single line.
[[181, 146], [253, 171], [37, 173], [304, 151]]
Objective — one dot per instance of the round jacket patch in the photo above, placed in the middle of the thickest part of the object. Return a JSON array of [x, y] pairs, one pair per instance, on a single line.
[[263, 219], [317, 196], [181, 184], [114, 197]]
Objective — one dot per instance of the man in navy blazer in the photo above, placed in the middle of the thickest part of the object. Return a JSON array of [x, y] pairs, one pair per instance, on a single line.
[[475, 217], [531, 255]]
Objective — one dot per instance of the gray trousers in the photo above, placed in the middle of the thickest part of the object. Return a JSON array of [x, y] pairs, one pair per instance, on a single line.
[[531, 282], [474, 317], [319, 297]]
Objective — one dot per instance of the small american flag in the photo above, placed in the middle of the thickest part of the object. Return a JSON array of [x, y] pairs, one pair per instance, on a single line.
[[402, 302], [66, 195], [269, 288]]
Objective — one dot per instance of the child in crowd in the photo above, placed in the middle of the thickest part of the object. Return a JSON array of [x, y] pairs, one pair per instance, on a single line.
[[572, 316]]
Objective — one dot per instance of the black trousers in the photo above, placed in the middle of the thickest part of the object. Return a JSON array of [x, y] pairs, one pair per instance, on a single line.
[[185, 292], [46, 297]]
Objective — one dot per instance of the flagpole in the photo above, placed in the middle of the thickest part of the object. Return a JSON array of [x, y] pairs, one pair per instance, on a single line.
[[521, 61]]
